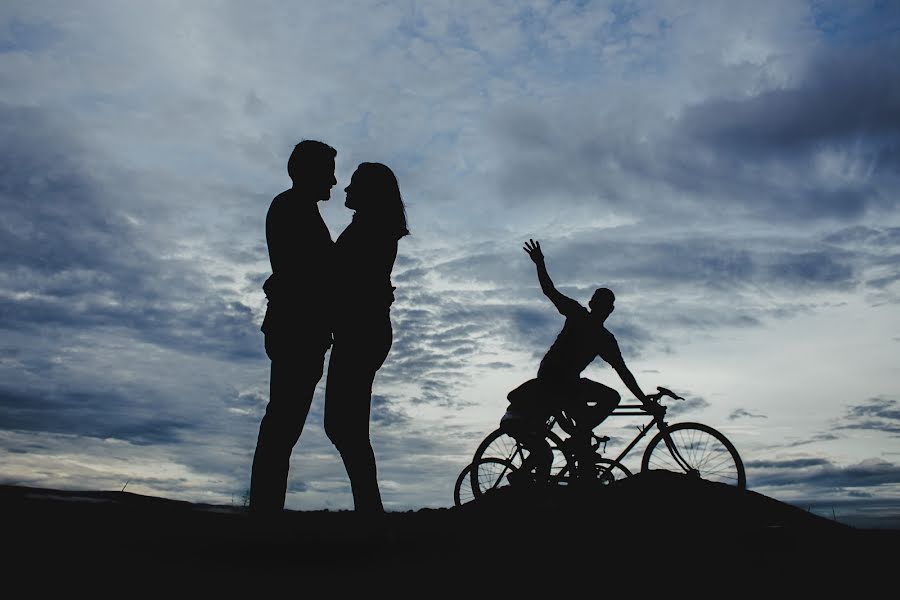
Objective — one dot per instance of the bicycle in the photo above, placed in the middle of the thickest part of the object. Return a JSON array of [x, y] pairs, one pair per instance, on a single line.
[[695, 449]]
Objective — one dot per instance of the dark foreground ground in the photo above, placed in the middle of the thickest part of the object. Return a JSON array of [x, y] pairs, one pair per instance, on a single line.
[[650, 532]]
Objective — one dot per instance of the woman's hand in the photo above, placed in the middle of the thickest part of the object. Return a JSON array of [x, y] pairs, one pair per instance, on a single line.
[[533, 249]]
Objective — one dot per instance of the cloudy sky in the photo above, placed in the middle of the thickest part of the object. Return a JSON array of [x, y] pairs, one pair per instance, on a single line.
[[730, 169]]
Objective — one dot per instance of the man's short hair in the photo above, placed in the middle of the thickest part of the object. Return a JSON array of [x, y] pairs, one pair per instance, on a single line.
[[308, 155], [604, 295]]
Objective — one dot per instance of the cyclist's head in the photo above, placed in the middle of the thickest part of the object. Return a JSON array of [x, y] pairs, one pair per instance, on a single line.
[[602, 302]]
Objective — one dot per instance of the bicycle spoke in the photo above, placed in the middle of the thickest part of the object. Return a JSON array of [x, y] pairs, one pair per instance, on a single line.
[[499, 454], [702, 450], [724, 463], [665, 460]]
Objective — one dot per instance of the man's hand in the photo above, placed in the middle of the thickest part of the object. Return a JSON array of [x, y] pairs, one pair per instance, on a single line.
[[654, 408], [533, 249]]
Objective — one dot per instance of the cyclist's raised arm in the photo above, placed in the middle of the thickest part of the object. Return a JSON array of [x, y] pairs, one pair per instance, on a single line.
[[563, 303]]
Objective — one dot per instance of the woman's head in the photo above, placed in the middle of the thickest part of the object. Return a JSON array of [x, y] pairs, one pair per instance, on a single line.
[[375, 195]]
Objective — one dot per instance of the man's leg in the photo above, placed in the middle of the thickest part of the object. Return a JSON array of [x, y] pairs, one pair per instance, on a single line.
[[588, 404], [598, 401], [292, 385], [539, 458]]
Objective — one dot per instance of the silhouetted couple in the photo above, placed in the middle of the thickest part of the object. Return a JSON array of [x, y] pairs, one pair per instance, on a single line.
[[325, 294]]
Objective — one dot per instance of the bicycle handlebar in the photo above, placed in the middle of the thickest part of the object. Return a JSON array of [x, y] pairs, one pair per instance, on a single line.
[[559, 415], [664, 392]]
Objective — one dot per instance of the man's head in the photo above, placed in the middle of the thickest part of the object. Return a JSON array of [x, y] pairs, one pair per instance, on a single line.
[[311, 168], [602, 302]]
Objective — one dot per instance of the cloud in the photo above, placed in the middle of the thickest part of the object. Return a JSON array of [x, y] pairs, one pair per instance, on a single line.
[[819, 437], [90, 412], [823, 473], [722, 169], [845, 95], [78, 258], [741, 413], [874, 414], [760, 155]]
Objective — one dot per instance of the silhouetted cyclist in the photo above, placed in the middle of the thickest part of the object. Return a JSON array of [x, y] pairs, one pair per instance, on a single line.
[[583, 338]]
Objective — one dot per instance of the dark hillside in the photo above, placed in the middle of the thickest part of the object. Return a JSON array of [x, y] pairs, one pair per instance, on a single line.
[[656, 525]]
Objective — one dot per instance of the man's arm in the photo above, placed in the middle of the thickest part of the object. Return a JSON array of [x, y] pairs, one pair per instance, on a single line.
[[632, 385], [562, 302]]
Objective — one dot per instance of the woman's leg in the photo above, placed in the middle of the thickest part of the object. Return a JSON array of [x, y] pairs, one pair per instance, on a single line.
[[348, 396]]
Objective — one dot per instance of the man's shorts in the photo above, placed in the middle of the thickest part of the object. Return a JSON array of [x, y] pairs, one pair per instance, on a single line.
[[586, 401]]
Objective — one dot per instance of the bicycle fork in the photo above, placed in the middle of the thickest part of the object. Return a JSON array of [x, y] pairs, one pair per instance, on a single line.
[[673, 449]]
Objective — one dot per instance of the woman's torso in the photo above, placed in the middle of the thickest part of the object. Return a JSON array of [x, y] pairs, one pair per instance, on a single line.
[[363, 259]]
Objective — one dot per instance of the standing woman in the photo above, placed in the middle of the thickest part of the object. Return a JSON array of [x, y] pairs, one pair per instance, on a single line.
[[363, 259]]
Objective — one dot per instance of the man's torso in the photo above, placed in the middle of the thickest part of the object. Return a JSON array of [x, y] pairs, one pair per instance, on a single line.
[[577, 345], [300, 253]]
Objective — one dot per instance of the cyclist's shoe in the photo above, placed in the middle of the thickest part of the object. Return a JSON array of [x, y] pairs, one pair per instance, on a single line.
[[520, 478]]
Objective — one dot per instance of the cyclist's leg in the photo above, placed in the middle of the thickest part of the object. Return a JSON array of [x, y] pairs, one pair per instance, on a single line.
[[586, 403], [598, 402], [540, 457], [536, 465]]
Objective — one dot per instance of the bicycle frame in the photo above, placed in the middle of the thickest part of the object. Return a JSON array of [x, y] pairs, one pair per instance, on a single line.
[[631, 410], [688, 447]]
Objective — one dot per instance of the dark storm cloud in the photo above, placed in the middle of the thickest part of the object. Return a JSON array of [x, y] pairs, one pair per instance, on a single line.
[[796, 463], [848, 104], [629, 256], [741, 413], [847, 95], [54, 218], [867, 236], [875, 414], [716, 263], [95, 413], [764, 155], [385, 411], [73, 257], [823, 473], [819, 437], [881, 408]]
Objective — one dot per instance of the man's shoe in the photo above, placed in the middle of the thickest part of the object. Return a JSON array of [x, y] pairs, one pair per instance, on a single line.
[[519, 478]]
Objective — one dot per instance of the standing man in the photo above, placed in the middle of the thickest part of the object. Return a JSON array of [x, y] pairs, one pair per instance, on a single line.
[[297, 325]]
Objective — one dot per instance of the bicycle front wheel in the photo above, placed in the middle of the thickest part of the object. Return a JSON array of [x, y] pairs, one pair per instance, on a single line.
[[697, 450], [499, 454]]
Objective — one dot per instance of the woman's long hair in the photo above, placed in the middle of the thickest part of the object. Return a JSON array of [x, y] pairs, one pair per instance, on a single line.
[[385, 205]]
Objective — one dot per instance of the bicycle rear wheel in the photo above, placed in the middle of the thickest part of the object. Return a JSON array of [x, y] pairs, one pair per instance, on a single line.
[[500, 454], [704, 452], [462, 491]]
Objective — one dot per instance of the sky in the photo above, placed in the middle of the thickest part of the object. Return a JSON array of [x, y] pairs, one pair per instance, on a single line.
[[731, 170]]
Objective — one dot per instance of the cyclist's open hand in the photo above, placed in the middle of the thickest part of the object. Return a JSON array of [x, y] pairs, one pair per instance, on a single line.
[[533, 249]]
